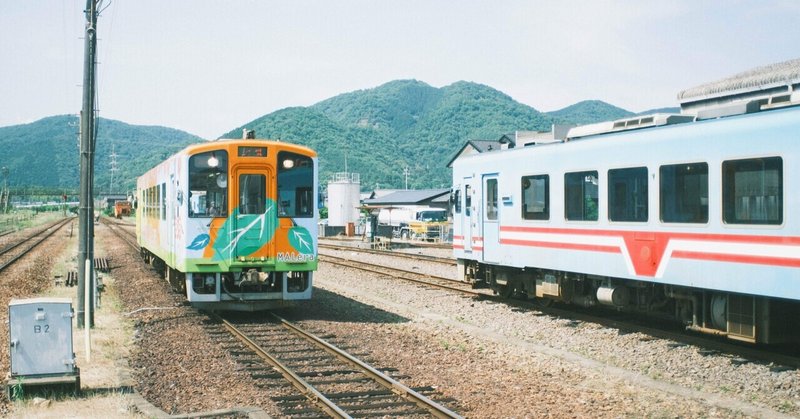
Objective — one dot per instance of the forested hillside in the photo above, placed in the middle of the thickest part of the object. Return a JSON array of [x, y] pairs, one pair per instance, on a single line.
[[376, 132], [44, 155]]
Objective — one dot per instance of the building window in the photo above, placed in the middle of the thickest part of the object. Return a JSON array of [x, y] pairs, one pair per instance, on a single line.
[[627, 194], [295, 185], [491, 199], [752, 191], [580, 196], [684, 193], [536, 197]]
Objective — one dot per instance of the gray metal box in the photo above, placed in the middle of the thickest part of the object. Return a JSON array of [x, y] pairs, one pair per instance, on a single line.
[[40, 335]]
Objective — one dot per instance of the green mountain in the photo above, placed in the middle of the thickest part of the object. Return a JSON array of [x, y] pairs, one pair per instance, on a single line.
[[44, 155], [401, 124], [378, 132], [589, 112]]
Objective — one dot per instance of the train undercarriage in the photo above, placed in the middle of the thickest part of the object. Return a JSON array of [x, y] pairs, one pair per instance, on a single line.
[[748, 318], [250, 289]]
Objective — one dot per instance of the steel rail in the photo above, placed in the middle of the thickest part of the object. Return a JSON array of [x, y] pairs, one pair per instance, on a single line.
[[426, 258], [307, 389], [355, 265], [684, 337], [393, 385], [52, 230]]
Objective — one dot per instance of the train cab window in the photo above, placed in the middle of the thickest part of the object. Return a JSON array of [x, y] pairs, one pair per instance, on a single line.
[[295, 185], [208, 184], [580, 196], [491, 199], [627, 194], [252, 194], [684, 193], [752, 191], [536, 197], [457, 200]]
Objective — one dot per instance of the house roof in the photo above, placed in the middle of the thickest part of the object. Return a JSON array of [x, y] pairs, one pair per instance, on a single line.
[[760, 78], [482, 146], [408, 197]]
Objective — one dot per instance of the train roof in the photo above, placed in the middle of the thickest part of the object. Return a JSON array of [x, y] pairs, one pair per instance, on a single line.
[[224, 143], [757, 83]]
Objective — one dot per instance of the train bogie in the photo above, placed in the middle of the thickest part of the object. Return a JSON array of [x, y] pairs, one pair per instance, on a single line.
[[694, 221]]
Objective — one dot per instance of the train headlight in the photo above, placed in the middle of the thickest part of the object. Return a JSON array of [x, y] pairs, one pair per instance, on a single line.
[[288, 164], [213, 161]]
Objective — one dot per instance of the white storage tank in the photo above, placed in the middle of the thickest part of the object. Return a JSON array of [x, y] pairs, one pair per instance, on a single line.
[[344, 199]]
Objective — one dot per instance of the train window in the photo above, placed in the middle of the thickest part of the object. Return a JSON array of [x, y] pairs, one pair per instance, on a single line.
[[457, 200], [252, 194], [684, 193], [295, 185], [580, 196], [163, 201], [467, 200], [208, 184], [536, 197], [752, 191], [491, 199], [627, 194]]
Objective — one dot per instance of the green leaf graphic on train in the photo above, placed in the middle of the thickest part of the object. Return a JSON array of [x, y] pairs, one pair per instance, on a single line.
[[199, 242], [301, 240], [243, 234]]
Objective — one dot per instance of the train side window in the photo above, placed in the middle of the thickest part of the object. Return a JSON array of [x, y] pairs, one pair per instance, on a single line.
[[627, 194], [536, 197], [684, 193], [752, 191], [491, 199], [580, 196], [163, 201], [295, 185], [468, 200], [457, 200]]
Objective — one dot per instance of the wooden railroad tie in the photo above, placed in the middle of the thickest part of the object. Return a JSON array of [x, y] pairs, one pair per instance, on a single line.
[[72, 278], [101, 265]]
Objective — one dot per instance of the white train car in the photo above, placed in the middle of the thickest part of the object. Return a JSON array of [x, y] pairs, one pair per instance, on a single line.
[[699, 220], [232, 223]]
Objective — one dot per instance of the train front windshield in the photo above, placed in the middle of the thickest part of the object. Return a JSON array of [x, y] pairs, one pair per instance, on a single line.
[[208, 184], [295, 185]]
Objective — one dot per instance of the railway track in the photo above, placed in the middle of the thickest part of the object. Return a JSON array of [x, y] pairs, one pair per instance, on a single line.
[[780, 358], [330, 381], [122, 231], [421, 257], [408, 275], [16, 250]]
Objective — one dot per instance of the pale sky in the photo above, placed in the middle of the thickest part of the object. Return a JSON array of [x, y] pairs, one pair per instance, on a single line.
[[207, 67]]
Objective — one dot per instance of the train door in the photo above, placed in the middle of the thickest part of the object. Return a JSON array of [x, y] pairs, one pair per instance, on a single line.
[[490, 220], [254, 220], [466, 215]]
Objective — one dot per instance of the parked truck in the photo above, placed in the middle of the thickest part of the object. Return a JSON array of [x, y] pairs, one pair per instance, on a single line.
[[415, 222]]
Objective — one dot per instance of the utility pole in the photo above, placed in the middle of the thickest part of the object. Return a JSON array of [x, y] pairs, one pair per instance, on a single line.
[[4, 194], [406, 171], [86, 206]]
